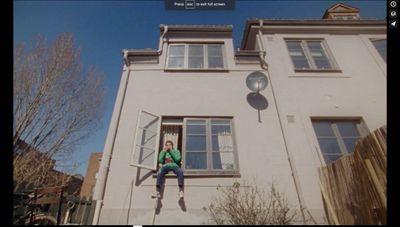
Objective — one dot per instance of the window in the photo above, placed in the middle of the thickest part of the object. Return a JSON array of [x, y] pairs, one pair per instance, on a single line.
[[209, 145], [336, 137], [380, 45], [206, 144], [310, 55], [195, 56], [215, 59], [176, 56], [145, 150]]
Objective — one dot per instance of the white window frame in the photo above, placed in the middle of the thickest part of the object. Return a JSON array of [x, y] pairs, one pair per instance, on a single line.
[[205, 57], [360, 125], [156, 148], [210, 170], [308, 56]]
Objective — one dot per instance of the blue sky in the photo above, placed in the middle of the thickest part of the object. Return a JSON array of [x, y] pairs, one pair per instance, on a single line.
[[103, 28]]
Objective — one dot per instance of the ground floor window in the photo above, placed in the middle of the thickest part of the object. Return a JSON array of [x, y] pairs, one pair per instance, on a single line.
[[207, 144], [337, 137]]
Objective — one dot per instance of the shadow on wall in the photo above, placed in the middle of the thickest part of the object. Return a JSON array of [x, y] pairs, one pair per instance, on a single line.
[[140, 178], [258, 102]]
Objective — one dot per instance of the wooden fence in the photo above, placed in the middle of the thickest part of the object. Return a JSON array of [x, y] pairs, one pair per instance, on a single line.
[[354, 187]]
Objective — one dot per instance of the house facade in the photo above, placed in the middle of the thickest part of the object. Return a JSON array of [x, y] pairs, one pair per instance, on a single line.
[[325, 88]]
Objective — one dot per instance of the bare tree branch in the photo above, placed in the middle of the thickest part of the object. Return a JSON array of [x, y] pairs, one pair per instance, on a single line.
[[250, 205], [57, 105]]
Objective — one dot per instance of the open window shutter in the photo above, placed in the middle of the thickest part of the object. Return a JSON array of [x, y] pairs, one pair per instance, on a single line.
[[147, 137]]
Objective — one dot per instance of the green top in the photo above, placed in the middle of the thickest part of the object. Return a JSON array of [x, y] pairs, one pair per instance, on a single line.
[[170, 159]]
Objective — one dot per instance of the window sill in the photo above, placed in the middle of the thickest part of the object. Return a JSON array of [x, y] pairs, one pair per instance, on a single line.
[[196, 70], [247, 62], [198, 175], [318, 70], [319, 76]]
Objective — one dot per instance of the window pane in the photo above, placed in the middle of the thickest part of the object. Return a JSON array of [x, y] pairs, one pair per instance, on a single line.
[[218, 129], [196, 129], [380, 46], [350, 143], [145, 153], [323, 128], [223, 160], [225, 122], [318, 54], [329, 146], [297, 54], [222, 142], [177, 51], [175, 62], [347, 129], [214, 51], [221, 135], [195, 62], [300, 63], [331, 158], [215, 63], [196, 50], [215, 59], [197, 122], [176, 56], [196, 56], [196, 143], [196, 160]]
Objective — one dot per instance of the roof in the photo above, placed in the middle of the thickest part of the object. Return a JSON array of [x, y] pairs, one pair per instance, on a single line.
[[311, 22], [197, 27], [146, 52], [179, 28], [340, 8]]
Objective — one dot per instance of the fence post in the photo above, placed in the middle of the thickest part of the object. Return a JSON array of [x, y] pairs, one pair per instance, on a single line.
[[375, 180], [84, 209], [89, 219], [59, 206], [329, 205]]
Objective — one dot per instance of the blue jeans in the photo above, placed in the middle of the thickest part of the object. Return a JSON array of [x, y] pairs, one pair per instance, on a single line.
[[160, 177]]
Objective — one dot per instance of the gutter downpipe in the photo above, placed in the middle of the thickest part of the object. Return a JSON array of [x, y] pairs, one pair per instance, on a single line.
[[161, 43], [109, 145], [264, 65], [112, 132]]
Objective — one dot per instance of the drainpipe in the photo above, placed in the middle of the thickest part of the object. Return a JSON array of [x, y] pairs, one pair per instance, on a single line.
[[264, 65], [112, 132], [126, 61], [161, 43], [160, 46], [262, 51], [109, 145]]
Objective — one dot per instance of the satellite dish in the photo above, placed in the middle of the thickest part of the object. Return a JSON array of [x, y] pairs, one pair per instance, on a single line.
[[256, 81]]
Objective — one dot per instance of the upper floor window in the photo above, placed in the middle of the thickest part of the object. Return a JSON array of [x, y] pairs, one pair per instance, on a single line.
[[380, 45], [195, 56], [337, 137], [310, 55]]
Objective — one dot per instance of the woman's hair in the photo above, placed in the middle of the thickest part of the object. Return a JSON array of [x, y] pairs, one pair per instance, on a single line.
[[169, 141]]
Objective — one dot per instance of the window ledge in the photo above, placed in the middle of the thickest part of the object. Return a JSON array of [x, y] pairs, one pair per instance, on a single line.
[[196, 70], [318, 76], [198, 175], [248, 62], [318, 70]]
